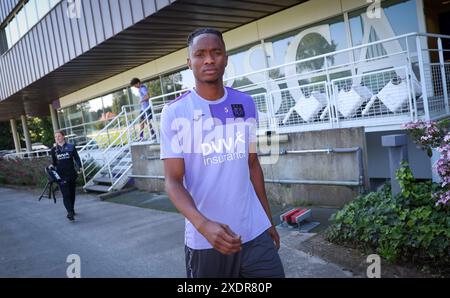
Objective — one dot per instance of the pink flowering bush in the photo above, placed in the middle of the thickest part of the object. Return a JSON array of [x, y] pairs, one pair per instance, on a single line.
[[405, 228], [412, 226], [443, 168], [430, 135], [427, 135]]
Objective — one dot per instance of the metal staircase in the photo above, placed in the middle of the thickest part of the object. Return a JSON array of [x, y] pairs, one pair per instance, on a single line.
[[109, 170], [113, 175]]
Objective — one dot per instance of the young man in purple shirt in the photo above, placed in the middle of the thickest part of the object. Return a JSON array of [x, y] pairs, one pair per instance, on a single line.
[[212, 172], [145, 103]]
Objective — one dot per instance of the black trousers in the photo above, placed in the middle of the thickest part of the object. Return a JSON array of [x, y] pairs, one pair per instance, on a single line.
[[68, 193], [258, 259]]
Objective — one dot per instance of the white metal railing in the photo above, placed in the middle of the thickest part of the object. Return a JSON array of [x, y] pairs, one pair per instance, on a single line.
[[363, 87], [383, 83], [90, 163], [28, 154], [116, 157]]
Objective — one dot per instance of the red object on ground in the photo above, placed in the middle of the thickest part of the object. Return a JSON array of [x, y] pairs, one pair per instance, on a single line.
[[288, 214], [294, 216]]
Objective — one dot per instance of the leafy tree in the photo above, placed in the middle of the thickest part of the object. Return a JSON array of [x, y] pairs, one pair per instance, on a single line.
[[119, 99], [41, 131], [6, 139], [154, 88], [311, 45]]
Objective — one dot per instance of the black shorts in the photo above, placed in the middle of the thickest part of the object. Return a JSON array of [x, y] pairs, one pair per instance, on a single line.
[[258, 259], [147, 115]]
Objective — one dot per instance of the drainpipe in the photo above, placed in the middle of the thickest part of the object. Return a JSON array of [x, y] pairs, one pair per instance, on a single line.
[[359, 159], [313, 182], [357, 150]]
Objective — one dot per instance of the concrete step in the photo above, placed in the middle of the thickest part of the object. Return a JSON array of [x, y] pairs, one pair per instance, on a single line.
[[106, 173], [118, 169], [104, 180], [97, 188], [121, 160], [115, 172]]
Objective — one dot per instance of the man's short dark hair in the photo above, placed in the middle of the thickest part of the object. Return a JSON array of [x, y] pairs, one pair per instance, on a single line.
[[201, 31], [134, 81]]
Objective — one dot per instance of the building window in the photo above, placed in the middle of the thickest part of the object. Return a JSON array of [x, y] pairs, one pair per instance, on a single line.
[[93, 110], [397, 18], [154, 89], [24, 19], [244, 60], [43, 8], [314, 40], [22, 22], [174, 82], [13, 31], [3, 41], [63, 119], [75, 115], [92, 114], [187, 79], [112, 104], [31, 10]]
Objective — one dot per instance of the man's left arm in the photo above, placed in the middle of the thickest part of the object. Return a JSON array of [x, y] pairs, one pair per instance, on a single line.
[[257, 178], [145, 96]]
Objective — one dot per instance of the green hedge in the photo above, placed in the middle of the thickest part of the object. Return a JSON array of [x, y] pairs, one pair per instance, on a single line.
[[406, 228], [28, 172]]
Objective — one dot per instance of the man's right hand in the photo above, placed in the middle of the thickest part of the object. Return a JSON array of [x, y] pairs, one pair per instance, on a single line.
[[221, 237]]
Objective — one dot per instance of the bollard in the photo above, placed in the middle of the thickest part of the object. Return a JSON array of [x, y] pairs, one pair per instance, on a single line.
[[398, 152]]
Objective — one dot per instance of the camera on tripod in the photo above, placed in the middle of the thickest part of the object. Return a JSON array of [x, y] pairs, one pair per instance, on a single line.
[[52, 177]]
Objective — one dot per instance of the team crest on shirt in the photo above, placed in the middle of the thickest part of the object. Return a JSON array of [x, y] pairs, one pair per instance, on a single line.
[[238, 110]]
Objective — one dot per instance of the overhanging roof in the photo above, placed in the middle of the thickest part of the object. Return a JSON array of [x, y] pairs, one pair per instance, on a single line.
[[159, 34]]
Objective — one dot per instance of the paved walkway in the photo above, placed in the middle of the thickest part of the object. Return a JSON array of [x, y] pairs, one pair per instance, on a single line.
[[112, 240]]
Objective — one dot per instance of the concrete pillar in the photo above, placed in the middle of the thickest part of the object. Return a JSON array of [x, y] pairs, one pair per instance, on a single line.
[[15, 135], [435, 177], [26, 133], [54, 118], [398, 152]]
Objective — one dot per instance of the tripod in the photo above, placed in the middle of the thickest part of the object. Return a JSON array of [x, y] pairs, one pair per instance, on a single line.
[[52, 177], [51, 191]]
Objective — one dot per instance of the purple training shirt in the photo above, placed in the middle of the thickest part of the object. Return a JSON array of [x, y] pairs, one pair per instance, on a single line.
[[214, 138]]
